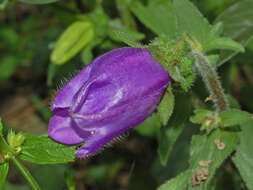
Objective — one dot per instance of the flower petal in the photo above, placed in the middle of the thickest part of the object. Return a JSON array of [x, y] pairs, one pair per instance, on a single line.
[[123, 117], [63, 130], [64, 96]]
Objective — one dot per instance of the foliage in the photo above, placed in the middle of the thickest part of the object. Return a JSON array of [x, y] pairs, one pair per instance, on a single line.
[[44, 41]]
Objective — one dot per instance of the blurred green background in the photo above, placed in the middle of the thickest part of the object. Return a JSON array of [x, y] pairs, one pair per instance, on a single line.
[[29, 78]]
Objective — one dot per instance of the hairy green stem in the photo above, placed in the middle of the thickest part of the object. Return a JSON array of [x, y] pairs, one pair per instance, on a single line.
[[211, 80], [25, 172]]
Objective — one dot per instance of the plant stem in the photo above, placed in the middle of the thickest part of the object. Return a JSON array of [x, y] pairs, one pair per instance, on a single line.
[[211, 80], [25, 172]]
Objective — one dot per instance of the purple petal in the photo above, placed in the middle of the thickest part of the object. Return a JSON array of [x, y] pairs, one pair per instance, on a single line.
[[64, 97], [63, 130], [104, 130]]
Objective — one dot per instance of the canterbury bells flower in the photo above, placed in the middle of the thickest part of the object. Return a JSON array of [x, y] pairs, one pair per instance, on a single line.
[[112, 94]]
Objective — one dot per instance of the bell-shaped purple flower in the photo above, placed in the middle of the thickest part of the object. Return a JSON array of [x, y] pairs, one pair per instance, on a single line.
[[112, 94]]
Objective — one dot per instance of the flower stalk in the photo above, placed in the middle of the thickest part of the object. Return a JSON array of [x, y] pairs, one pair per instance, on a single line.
[[211, 80], [25, 172], [7, 153]]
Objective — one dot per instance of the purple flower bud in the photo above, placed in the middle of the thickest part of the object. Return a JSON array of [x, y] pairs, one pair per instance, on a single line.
[[115, 92]]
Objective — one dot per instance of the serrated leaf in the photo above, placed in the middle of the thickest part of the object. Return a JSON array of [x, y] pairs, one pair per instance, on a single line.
[[43, 150], [177, 183], [38, 1], [168, 136], [74, 38], [225, 44], [234, 117], [158, 16], [206, 148], [166, 106], [4, 168], [238, 24], [243, 158]]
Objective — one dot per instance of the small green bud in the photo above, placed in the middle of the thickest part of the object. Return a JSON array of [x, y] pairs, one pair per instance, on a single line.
[[15, 140]]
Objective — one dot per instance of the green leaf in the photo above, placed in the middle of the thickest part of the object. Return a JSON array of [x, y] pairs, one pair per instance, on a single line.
[[86, 55], [217, 29], [120, 33], [238, 24], [234, 117], [54, 181], [127, 18], [177, 183], [244, 156], [38, 1], [166, 106], [213, 148], [158, 16], [74, 38], [126, 36], [100, 22], [224, 43], [4, 168], [191, 21], [167, 137], [43, 150]]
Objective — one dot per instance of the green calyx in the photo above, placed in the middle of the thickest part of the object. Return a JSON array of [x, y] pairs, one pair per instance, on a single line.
[[11, 146], [175, 57], [15, 140]]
